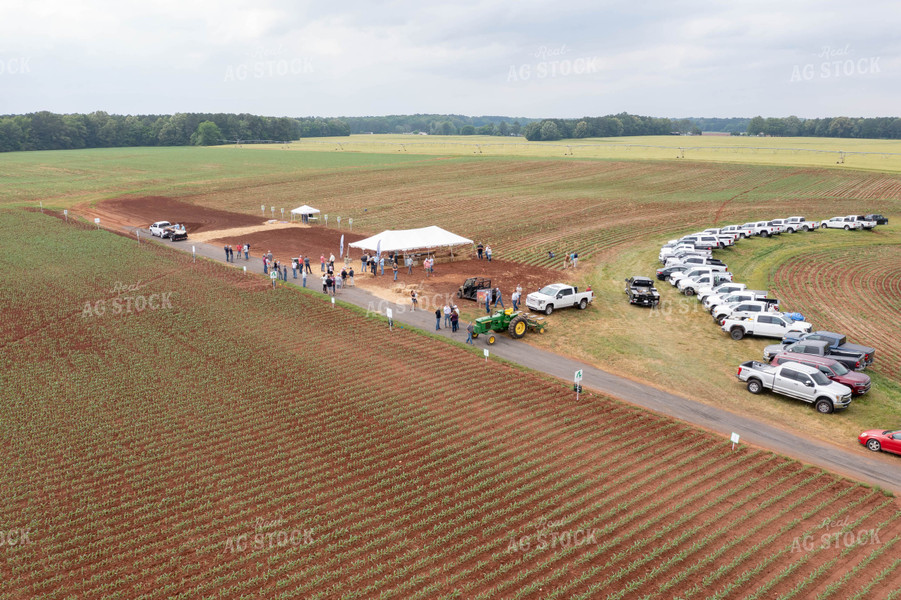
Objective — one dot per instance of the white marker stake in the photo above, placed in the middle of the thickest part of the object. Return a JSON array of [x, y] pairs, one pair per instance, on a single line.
[[97, 221], [263, 208], [138, 233], [194, 253], [42, 206], [390, 314], [66, 214], [351, 223], [333, 302], [734, 439], [486, 354], [245, 270]]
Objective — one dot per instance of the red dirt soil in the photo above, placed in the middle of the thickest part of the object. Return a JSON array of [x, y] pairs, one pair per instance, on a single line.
[[142, 211]]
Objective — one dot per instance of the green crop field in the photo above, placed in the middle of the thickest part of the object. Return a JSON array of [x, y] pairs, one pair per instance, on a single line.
[[179, 429]]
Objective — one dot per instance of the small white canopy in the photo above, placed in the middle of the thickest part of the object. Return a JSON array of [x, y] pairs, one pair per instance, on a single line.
[[305, 210], [411, 239]]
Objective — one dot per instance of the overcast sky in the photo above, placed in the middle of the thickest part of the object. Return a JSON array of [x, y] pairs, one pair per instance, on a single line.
[[481, 57]]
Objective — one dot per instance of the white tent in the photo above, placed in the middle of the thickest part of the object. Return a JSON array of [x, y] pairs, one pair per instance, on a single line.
[[403, 240], [304, 210]]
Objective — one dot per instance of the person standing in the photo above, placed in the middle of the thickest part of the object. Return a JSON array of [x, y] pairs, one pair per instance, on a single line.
[[488, 253], [294, 267], [343, 277], [488, 301], [306, 264], [373, 265], [413, 299], [470, 329], [303, 274], [382, 265], [265, 265], [454, 319], [273, 276], [285, 273], [498, 297], [226, 253], [515, 299], [363, 261], [394, 268], [322, 263], [437, 319], [246, 251], [408, 261], [350, 275], [447, 315], [331, 259], [324, 283], [575, 259], [480, 249]]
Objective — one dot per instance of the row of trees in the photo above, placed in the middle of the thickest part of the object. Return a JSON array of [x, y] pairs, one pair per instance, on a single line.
[[50, 131], [622, 124], [437, 124], [843, 127]]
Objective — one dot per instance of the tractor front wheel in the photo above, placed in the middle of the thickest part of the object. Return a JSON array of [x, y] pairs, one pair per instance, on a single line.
[[517, 327], [491, 339]]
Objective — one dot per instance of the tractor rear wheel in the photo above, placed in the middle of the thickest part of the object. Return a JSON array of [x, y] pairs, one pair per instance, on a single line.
[[517, 327]]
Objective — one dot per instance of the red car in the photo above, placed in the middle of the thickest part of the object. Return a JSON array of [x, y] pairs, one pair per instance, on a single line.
[[876, 440], [831, 368]]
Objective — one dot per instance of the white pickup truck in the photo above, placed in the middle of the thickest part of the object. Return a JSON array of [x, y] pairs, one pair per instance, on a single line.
[[864, 222], [558, 295], [794, 224], [841, 223], [803, 382], [165, 229], [774, 325]]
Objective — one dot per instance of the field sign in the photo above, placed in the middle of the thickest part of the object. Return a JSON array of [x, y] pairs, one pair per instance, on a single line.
[[734, 439], [486, 354], [578, 376], [389, 313]]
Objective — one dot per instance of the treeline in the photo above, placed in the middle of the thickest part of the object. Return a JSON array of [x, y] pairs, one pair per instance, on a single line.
[[842, 127], [438, 124], [622, 124], [50, 131]]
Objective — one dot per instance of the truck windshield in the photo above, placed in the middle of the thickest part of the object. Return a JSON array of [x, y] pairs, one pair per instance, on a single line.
[[549, 290], [819, 378]]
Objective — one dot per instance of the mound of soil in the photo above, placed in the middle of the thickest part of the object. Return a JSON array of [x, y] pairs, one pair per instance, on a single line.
[[141, 211]]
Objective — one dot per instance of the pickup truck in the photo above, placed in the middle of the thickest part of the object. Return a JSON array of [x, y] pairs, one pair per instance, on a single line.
[[741, 231], [703, 241], [781, 225], [640, 290], [840, 223], [837, 342], [700, 270], [723, 289], [880, 220], [165, 229], [664, 272], [694, 260], [864, 222], [558, 295], [744, 309], [764, 325], [816, 348], [765, 229], [795, 224], [690, 285], [796, 381], [712, 303], [831, 368]]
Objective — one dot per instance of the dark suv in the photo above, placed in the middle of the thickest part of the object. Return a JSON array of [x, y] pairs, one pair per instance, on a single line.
[[880, 220]]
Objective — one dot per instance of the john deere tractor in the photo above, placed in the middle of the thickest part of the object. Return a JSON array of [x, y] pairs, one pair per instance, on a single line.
[[516, 323]]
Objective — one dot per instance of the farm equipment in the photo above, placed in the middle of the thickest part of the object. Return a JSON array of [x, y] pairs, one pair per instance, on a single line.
[[470, 288], [516, 323]]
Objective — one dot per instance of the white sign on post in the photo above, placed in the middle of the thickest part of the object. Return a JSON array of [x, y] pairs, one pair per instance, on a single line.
[[351, 222], [245, 270], [734, 439], [333, 302], [66, 213], [339, 221], [486, 354], [194, 253], [97, 221], [263, 207], [578, 376], [389, 313], [283, 213]]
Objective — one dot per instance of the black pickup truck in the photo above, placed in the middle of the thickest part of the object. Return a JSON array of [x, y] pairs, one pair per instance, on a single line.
[[641, 291], [838, 343]]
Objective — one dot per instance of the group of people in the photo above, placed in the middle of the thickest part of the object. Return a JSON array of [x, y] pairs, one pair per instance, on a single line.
[[375, 264], [451, 316], [331, 281], [494, 297], [230, 252], [483, 251]]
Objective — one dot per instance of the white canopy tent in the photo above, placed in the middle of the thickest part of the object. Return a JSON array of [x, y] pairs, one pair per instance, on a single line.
[[404, 240], [304, 211]]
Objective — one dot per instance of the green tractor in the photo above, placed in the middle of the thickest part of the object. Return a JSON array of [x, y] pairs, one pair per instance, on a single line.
[[516, 323]]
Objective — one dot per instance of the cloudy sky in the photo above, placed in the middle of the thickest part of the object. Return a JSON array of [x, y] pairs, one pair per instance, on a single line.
[[526, 58]]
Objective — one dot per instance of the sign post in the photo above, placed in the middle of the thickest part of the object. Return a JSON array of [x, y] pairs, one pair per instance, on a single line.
[[97, 222], [333, 302], [578, 383], [734, 439], [326, 220], [272, 209], [339, 222], [486, 354], [351, 223], [42, 206], [390, 314], [194, 253], [263, 208], [66, 214], [283, 213]]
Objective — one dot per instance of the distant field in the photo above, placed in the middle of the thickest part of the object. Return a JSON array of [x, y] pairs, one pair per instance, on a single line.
[[230, 440], [878, 155]]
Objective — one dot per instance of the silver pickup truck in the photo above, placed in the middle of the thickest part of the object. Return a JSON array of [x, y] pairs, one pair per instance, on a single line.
[[803, 382]]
